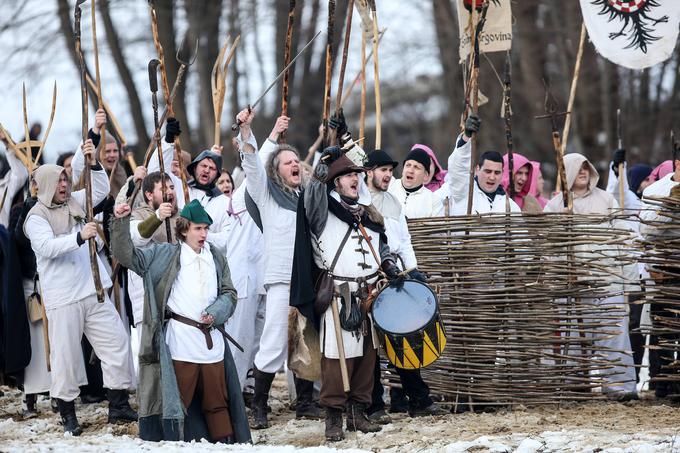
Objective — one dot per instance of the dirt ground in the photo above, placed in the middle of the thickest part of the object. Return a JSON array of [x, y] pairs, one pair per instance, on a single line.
[[644, 425]]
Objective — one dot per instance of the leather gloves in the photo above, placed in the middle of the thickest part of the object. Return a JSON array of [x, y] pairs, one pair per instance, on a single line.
[[472, 125], [619, 157], [338, 123], [172, 130]]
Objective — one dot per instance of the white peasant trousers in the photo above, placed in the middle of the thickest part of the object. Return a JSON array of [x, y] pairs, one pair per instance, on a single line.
[[273, 351], [104, 329]]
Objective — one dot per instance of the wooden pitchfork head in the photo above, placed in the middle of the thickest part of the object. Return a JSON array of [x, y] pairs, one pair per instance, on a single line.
[[28, 144], [550, 107], [189, 57], [218, 79]]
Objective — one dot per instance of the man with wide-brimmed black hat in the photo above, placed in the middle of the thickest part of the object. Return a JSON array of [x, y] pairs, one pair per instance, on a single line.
[[343, 234]]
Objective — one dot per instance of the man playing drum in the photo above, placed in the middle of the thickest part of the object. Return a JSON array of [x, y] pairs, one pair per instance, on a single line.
[[348, 240]]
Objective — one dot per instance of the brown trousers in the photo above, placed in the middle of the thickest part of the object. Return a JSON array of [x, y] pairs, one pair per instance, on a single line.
[[209, 380], [360, 372]]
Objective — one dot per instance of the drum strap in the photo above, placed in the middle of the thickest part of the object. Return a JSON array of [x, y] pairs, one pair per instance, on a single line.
[[370, 244], [339, 250]]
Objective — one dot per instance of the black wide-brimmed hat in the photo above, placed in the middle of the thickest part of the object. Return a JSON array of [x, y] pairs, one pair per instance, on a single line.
[[378, 158]]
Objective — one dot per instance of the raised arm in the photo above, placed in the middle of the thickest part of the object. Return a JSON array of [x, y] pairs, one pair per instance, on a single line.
[[137, 260], [100, 180], [459, 168], [459, 161], [256, 175]]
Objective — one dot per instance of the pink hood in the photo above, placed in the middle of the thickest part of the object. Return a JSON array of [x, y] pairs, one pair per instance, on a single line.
[[662, 170], [439, 172], [518, 161], [533, 189]]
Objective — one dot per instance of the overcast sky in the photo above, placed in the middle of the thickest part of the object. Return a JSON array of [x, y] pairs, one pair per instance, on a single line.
[[407, 51]]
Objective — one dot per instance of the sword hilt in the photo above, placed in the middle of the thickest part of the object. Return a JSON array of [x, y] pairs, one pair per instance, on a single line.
[[237, 124]]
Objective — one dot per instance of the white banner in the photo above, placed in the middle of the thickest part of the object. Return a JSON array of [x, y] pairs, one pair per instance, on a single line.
[[636, 34], [497, 33]]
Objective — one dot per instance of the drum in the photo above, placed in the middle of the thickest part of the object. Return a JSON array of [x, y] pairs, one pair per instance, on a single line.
[[409, 324]]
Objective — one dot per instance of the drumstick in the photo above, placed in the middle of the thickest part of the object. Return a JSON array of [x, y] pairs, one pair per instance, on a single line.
[[407, 271]]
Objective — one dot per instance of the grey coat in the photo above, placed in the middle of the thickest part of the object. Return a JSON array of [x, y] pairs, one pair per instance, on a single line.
[[161, 414]]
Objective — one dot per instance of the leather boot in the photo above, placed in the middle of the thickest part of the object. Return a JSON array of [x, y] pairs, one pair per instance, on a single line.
[[334, 425], [263, 383], [29, 408], [119, 407], [305, 408], [67, 410], [358, 421]]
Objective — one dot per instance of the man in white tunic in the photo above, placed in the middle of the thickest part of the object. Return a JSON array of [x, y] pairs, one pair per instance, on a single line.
[[582, 181], [487, 195], [417, 200], [274, 188], [58, 235]]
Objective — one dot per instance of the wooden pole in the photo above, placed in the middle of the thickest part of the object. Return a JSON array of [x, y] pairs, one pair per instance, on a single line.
[[168, 98], [572, 95], [574, 85], [286, 61], [622, 196], [87, 173], [362, 72], [100, 101], [343, 62], [376, 80], [329, 69], [362, 114], [341, 345], [474, 83]]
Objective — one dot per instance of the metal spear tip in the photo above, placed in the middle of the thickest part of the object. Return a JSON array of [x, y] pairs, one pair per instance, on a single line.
[[507, 77], [189, 57], [153, 79]]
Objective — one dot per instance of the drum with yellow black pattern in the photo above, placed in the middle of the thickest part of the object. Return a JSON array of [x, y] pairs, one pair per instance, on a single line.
[[406, 315]]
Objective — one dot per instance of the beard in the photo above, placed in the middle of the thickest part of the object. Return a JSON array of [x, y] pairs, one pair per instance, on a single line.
[[378, 183]]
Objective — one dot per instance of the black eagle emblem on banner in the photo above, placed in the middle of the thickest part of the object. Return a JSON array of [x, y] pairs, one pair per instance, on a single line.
[[478, 4], [635, 16]]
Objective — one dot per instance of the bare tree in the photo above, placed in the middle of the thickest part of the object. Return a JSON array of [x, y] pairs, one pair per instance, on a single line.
[[124, 72]]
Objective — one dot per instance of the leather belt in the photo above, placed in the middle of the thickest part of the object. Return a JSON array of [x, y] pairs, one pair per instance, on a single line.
[[205, 329], [355, 279]]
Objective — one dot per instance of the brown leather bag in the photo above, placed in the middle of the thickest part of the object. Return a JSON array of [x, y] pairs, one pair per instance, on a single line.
[[34, 303], [324, 286]]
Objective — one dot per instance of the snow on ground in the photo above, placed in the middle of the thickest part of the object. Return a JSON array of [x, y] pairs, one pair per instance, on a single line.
[[639, 426]]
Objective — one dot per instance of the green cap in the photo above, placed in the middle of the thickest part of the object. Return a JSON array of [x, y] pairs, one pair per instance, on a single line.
[[194, 212]]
